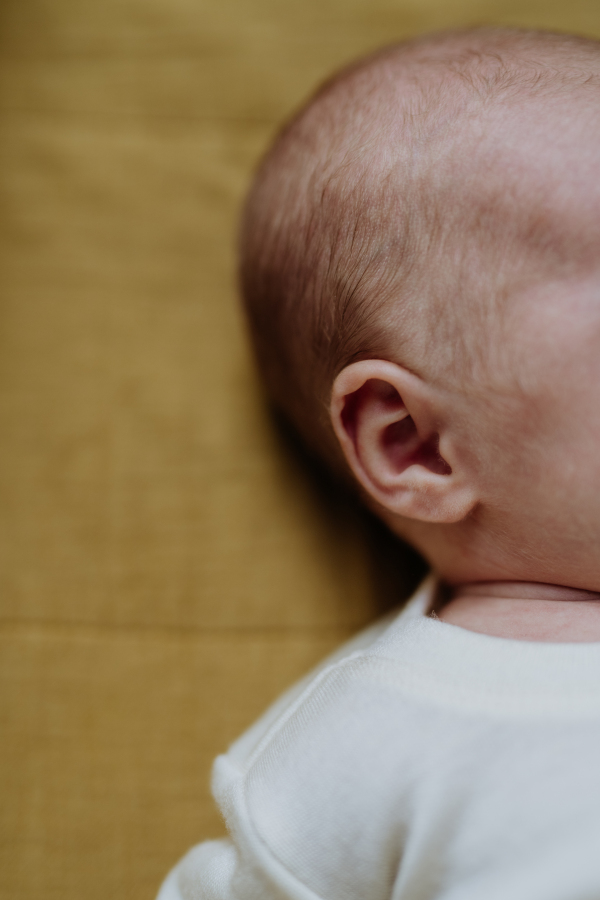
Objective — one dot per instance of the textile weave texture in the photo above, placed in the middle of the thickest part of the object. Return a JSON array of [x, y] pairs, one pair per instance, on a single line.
[[167, 565]]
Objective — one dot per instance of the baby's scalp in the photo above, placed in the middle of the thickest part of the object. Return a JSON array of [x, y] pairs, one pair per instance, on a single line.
[[398, 210]]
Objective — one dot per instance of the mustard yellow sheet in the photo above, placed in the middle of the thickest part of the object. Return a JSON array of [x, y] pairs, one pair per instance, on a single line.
[[167, 565]]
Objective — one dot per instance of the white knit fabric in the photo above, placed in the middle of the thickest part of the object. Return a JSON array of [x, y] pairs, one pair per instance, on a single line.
[[424, 761]]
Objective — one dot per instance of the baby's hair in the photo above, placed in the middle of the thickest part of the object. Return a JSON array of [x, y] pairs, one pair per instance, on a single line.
[[349, 229]]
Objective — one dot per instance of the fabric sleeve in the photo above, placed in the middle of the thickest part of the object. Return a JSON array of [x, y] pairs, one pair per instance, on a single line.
[[241, 867], [205, 873], [216, 870]]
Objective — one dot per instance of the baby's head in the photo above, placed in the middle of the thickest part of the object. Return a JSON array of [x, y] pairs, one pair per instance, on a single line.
[[421, 270]]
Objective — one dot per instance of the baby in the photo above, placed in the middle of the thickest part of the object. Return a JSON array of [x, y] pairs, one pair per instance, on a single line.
[[421, 270]]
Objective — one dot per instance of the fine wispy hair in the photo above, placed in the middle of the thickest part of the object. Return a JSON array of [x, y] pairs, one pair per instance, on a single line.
[[365, 231]]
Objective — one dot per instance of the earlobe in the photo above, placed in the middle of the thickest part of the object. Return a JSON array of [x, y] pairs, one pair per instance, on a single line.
[[388, 426]]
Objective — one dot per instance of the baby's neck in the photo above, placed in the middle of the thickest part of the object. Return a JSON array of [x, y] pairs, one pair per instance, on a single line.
[[525, 611]]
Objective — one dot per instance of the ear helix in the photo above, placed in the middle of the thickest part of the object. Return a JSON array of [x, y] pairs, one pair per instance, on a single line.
[[387, 422]]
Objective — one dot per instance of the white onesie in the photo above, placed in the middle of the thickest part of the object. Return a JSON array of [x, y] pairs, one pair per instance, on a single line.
[[425, 761]]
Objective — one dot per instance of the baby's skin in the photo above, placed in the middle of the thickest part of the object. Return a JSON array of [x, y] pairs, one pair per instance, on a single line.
[[478, 440], [505, 501], [526, 611]]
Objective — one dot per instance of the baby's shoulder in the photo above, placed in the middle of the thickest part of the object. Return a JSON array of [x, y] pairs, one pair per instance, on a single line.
[[322, 781], [323, 786]]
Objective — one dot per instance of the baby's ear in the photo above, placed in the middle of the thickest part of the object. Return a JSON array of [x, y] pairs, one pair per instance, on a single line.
[[399, 441]]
